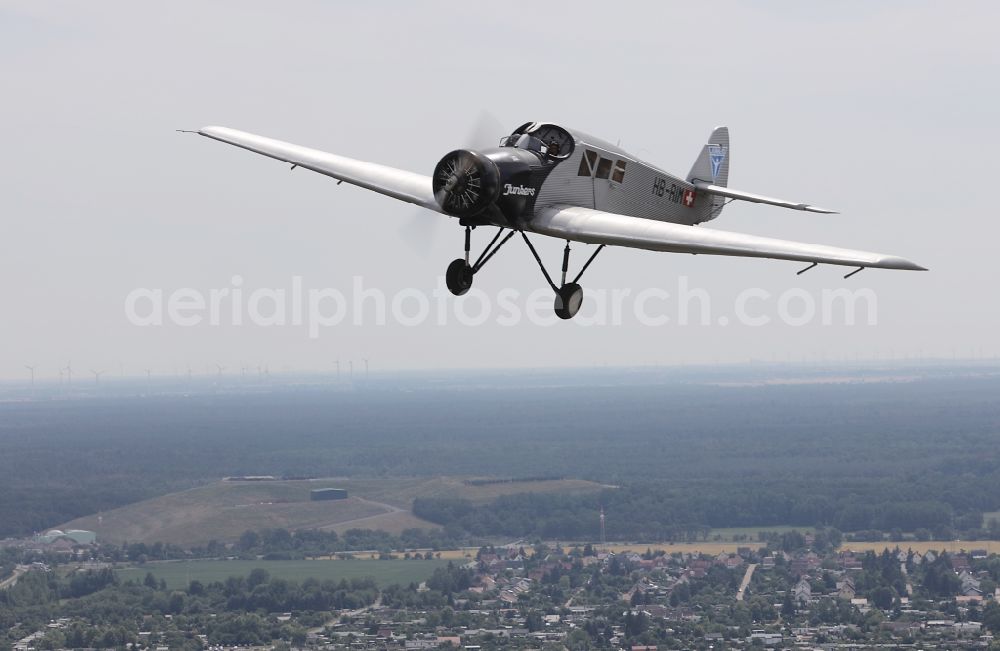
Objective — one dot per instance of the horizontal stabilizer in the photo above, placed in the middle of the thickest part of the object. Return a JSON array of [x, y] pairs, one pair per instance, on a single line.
[[720, 191]]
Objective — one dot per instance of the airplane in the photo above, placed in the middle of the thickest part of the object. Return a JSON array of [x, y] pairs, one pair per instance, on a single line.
[[549, 180]]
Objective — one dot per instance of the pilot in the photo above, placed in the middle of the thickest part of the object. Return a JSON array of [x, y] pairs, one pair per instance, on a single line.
[[530, 143]]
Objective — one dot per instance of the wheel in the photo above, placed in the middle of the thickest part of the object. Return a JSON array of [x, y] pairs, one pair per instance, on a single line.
[[458, 277], [569, 298]]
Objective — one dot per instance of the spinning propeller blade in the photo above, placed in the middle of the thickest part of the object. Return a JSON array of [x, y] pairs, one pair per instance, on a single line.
[[420, 229]]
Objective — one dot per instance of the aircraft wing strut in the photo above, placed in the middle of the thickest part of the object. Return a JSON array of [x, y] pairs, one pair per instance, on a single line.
[[597, 227]]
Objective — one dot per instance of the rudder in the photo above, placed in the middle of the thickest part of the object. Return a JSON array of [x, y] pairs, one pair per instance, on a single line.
[[712, 166]]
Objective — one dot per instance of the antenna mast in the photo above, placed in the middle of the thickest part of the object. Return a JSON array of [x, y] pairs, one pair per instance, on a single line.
[[604, 538]]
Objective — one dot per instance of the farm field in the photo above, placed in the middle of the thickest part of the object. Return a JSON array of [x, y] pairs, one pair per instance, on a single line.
[[951, 546], [178, 574], [714, 548]]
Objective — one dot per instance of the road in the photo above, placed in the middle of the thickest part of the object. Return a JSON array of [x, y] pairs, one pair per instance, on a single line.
[[351, 613], [12, 579], [389, 508], [745, 582]]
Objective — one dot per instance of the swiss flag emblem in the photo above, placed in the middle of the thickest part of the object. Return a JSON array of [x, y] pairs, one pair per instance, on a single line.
[[688, 199]]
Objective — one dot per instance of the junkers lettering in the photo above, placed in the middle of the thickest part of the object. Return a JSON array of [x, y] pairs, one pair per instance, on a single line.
[[518, 189]]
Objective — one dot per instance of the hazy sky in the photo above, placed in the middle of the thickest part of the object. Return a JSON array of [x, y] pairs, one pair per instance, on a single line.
[[885, 111]]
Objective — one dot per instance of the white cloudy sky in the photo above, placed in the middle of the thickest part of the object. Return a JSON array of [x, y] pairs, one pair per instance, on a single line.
[[885, 111]]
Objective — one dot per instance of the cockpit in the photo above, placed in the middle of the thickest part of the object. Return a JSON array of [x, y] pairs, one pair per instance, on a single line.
[[548, 141]]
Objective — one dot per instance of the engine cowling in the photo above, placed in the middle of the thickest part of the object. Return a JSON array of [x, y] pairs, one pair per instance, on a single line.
[[465, 183]]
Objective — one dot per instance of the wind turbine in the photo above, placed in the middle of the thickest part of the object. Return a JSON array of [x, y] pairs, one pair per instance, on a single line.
[[221, 369], [97, 376], [31, 369], [366, 367], [338, 369], [69, 373], [350, 369], [148, 372]]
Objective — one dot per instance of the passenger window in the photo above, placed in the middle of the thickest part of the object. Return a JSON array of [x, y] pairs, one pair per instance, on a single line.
[[604, 168], [584, 167], [587, 163], [619, 174]]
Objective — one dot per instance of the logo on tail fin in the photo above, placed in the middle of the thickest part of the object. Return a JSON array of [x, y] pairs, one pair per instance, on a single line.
[[716, 154]]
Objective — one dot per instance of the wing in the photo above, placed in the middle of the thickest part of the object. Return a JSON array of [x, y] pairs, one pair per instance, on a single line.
[[597, 227], [392, 182], [720, 191]]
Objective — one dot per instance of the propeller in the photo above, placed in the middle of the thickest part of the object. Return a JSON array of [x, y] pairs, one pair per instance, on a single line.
[[465, 182], [421, 228]]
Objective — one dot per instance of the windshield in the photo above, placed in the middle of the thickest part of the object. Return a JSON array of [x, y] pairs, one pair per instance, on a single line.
[[531, 143]]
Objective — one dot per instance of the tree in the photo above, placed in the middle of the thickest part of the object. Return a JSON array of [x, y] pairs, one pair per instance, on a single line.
[[788, 606], [578, 640], [258, 576], [882, 597], [991, 616]]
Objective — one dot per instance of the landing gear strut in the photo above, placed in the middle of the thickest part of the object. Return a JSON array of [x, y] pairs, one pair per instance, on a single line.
[[569, 296], [459, 276]]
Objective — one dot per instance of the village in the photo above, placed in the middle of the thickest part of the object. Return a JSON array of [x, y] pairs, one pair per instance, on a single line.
[[790, 594]]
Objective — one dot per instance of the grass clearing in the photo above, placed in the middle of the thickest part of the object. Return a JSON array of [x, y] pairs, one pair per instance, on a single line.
[[178, 574], [223, 510]]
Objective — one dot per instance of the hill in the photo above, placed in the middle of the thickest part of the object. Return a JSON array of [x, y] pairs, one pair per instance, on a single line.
[[225, 509]]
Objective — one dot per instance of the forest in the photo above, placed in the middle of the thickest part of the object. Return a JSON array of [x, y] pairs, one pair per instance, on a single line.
[[682, 455]]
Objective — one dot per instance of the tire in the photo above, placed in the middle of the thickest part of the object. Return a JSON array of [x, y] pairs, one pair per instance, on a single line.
[[458, 277], [569, 298]]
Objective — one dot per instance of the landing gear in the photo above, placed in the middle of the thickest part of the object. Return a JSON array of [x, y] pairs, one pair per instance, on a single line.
[[459, 276], [569, 296]]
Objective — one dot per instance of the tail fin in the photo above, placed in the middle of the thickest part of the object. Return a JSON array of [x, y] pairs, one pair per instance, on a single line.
[[712, 167]]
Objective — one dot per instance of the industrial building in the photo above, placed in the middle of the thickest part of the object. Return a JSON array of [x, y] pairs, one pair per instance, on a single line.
[[78, 536], [328, 494]]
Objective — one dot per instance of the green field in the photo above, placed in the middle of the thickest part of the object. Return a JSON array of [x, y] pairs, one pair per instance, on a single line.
[[726, 533], [178, 574]]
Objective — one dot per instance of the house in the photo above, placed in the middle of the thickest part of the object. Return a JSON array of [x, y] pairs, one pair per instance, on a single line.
[[901, 628], [802, 592], [798, 566], [959, 562], [845, 589], [766, 638]]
